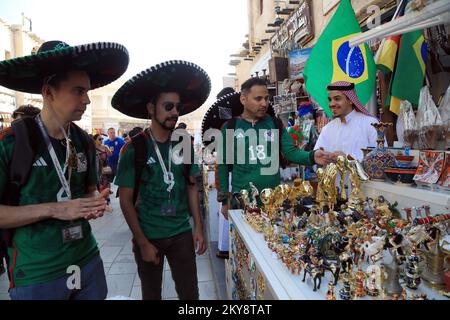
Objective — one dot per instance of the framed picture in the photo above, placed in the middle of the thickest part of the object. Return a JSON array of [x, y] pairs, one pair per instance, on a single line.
[[297, 62]]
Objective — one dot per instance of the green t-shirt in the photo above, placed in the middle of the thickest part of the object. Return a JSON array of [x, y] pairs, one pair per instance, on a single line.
[[153, 191], [38, 253], [256, 156]]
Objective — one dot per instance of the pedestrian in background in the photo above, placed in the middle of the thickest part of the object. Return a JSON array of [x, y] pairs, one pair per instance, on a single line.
[[114, 144]]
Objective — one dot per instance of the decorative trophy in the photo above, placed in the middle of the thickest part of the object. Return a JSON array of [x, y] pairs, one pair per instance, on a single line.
[[435, 263], [392, 283]]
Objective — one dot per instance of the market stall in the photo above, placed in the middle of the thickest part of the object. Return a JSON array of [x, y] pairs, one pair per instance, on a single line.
[[265, 277], [384, 241], [256, 271]]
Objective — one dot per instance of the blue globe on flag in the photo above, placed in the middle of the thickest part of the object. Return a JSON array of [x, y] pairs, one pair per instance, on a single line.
[[351, 60]]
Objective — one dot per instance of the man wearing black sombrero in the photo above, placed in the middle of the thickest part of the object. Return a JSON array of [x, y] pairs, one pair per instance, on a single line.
[[48, 174], [157, 190], [244, 113]]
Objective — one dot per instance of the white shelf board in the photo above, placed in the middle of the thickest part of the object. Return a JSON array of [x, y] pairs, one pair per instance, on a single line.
[[408, 196], [282, 283]]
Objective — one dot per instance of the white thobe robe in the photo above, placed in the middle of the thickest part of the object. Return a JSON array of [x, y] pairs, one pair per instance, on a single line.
[[349, 137]]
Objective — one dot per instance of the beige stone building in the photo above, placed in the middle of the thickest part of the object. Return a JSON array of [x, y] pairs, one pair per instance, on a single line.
[[104, 116], [275, 27], [18, 40]]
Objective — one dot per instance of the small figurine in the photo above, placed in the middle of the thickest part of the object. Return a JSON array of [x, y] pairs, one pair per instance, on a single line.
[[244, 199], [392, 283], [342, 248], [412, 272], [421, 296], [334, 269], [329, 185], [313, 265], [330, 292], [360, 277], [373, 284], [254, 194], [346, 292], [369, 209], [320, 193], [356, 197], [340, 165], [404, 295]]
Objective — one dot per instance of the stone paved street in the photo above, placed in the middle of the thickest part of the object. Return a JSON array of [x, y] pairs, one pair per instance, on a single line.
[[114, 239]]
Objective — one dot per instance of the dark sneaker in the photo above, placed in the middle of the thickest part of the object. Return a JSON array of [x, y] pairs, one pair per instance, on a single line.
[[222, 254]]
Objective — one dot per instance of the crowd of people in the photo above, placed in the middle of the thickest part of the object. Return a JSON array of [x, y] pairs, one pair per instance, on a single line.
[[46, 230]]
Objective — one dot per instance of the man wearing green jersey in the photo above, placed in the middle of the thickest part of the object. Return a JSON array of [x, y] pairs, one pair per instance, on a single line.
[[257, 132], [158, 215], [51, 251]]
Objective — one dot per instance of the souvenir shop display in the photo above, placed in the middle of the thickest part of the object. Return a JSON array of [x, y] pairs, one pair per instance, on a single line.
[[380, 158], [429, 122], [361, 248]]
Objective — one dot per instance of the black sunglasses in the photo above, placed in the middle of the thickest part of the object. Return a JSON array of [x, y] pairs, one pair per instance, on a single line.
[[170, 105]]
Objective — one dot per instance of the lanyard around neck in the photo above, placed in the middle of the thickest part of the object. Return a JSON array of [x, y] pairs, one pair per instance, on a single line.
[[60, 171], [168, 175]]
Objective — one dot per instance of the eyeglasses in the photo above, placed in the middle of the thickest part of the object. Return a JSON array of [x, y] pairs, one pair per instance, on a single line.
[[168, 106]]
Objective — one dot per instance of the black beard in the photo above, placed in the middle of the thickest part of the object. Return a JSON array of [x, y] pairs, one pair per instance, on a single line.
[[165, 127]]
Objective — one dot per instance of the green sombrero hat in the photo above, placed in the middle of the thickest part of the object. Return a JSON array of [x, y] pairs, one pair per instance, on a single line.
[[186, 78], [104, 62]]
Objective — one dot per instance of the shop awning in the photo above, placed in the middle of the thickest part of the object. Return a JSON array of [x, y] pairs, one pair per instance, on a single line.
[[434, 14]]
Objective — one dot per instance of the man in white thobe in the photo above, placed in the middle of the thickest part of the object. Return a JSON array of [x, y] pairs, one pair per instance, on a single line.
[[351, 129]]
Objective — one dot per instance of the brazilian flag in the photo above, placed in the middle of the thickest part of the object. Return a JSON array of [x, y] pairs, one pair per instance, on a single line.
[[409, 73], [333, 60]]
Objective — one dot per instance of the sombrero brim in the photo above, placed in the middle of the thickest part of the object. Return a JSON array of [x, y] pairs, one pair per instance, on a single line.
[[186, 78], [226, 107], [103, 61]]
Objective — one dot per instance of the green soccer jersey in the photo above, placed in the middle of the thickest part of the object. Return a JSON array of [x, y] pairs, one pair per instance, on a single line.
[[38, 253], [153, 191], [255, 156]]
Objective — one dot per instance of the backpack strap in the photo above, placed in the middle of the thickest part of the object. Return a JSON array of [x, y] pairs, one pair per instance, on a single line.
[[27, 139], [140, 160], [89, 149], [231, 124], [27, 136]]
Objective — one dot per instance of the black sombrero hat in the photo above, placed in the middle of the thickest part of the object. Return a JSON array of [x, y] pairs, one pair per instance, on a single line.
[[186, 78], [103, 61], [226, 107]]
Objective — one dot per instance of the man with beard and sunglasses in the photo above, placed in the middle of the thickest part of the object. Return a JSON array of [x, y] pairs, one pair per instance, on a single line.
[[158, 194]]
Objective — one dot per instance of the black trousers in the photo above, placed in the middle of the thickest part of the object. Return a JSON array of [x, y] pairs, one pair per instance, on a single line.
[[180, 254]]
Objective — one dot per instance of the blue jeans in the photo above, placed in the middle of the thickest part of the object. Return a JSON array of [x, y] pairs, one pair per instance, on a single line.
[[93, 286]]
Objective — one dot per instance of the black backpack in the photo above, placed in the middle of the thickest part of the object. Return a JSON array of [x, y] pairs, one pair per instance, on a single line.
[[231, 124], [28, 139], [141, 158]]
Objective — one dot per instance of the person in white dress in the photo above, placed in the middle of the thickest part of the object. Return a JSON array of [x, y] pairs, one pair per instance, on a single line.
[[350, 130]]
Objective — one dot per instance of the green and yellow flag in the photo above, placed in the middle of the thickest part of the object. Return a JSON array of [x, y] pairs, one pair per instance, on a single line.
[[333, 60], [386, 61], [410, 70]]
